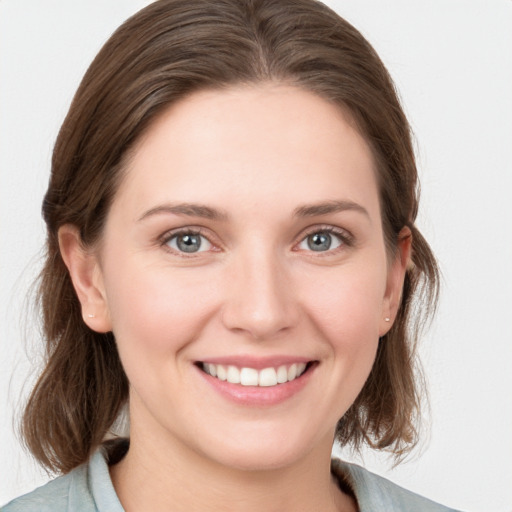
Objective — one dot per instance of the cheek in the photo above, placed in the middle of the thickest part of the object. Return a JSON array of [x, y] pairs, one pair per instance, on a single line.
[[156, 311], [346, 304]]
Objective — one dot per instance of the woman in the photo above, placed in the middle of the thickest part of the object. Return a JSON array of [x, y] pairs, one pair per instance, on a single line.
[[232, 254]]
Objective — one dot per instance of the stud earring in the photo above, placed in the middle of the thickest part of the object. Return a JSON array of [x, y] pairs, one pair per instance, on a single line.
[[387, 319], [90, 315]]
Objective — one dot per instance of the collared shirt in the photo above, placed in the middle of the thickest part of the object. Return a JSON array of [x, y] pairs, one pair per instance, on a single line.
[[88, 488]]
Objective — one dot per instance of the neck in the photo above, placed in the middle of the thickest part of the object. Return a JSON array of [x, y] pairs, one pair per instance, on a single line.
[[158, 476]]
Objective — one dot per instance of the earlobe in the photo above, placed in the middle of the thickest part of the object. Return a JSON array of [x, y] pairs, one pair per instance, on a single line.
[[85, 272], [395, 281]]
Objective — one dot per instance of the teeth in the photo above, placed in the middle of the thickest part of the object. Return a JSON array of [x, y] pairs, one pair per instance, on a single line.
[[221, 372], [282, 374], [268, 377], [233, 375], [248, 377], [292, 372], [252, 377]]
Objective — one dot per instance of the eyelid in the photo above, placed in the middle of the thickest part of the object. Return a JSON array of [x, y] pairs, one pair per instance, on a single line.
[[346, 237], [164, 239]]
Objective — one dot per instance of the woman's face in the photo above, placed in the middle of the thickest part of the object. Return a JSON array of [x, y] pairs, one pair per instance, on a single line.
[[245, 242]]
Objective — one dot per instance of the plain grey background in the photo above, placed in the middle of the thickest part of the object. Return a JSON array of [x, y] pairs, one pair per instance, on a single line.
[[452, 63]]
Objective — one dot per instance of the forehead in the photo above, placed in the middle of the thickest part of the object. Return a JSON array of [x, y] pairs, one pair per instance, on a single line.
[[251, 142]]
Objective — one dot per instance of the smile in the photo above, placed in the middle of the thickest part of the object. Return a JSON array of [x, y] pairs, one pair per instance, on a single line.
[[266, 377]]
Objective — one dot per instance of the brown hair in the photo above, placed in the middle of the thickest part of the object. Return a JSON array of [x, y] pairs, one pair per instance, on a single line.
[[166, 51]]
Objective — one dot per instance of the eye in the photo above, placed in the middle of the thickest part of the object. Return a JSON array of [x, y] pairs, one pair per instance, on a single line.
[[188, 242], [322, 241]]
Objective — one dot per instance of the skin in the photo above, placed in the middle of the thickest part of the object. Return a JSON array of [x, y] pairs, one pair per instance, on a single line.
[[257, 155]]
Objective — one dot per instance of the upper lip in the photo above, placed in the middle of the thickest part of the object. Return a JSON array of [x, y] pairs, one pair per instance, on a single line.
[[258, 363]]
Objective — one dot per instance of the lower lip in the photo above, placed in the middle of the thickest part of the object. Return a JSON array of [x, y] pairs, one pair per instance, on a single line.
[[258, 395]]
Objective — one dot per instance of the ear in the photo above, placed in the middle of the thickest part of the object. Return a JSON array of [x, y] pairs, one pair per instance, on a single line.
[[395, 280], [86, 275]]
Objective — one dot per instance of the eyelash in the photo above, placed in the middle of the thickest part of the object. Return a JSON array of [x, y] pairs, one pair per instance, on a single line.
[[169, 235], [346, 238]]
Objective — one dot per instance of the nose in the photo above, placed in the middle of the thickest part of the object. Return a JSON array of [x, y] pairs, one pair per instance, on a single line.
[[260, 296]]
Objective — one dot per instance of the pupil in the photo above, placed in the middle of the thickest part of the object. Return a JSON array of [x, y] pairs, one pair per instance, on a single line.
[[189, 243], [319, 242]]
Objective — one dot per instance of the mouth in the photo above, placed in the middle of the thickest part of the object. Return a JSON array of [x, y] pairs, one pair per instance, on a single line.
[[271, 376]]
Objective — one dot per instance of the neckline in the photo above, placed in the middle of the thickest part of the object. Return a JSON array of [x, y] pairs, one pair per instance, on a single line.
[[113, 451]]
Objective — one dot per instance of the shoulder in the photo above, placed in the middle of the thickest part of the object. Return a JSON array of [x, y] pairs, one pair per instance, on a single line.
[[374, 492], [57, 495], [88, 488]]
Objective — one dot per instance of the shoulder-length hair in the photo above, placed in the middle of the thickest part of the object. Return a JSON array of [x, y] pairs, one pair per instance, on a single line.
[[163, 53]]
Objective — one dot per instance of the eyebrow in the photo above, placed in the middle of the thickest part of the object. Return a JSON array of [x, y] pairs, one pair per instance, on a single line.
[[187, 209], [324, 208], [207, 212]]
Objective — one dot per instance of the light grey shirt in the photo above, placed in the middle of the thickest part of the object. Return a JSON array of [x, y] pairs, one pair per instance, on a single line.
[[88, 488]]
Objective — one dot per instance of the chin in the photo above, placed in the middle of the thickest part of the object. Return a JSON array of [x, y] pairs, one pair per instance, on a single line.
[[263, 450], [259, 459]]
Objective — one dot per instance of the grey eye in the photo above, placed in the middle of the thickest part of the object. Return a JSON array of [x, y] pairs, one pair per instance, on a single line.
[[189, 243], [321, 241]]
